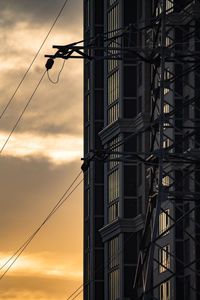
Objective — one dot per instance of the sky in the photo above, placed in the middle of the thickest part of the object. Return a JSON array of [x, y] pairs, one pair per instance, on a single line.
[[44, 153]]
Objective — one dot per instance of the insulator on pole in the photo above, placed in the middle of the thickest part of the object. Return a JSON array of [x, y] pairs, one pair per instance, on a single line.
[[49, 63]]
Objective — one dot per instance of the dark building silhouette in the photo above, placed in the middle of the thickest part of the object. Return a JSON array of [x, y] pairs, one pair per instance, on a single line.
[[141, 143]]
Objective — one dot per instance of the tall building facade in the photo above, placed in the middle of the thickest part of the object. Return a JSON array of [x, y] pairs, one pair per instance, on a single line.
[[141, 141]]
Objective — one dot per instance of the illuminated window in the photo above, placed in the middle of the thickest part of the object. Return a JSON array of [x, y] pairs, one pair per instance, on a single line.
[[164, 258], [164, 222], [114, 157], [113, 253], [113, 113], [166, 143], [113, 26], [113, 96], [113, 212], [158, 10], [165, 291], [165, 181], [169, 6], [113, 185], [168, 41], [166, 124], [113, 87], [114, 285], [166, 108], [167, 77], [113, 195], [113, 266]]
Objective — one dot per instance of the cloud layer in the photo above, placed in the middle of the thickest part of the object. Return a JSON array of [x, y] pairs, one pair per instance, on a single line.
[[43, 155]]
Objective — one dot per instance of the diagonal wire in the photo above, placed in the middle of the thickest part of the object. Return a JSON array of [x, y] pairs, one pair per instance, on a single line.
[[22, 113], [32, 62], [61, 201]]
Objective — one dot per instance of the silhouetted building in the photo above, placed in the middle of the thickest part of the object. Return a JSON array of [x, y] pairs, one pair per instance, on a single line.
[[141, 122]]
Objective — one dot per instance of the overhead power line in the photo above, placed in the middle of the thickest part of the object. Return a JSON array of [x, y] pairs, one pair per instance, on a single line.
[[35, 57], [21, 249], [22, 113]]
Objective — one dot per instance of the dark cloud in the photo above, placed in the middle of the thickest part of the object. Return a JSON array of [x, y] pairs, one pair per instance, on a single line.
[[38, 12], [54, 108], [30, 187]]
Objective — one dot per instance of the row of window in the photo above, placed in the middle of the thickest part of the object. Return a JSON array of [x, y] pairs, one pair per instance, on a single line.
[[113, 26], [169, 7], [164, 254], [113, 253], [113, 186], [165, 291], [113, 211], [113, 263], [113, 157], [164, 222], [164, 258], [113, 87], [114, 285], [113, 113]]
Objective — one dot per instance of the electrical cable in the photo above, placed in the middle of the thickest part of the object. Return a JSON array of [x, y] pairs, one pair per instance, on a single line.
[[32, 62], [58, 77], [22, 113], [61, 201], [48, 215], [111, 259]]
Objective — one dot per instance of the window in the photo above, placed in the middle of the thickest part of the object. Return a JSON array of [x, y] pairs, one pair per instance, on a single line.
[[165, 291], [166, 108], [168, 41], [113, 253], [158, 10], [114, 157], [165, 181], [114, 285], [113, 26], [113, 96], [164, 258], [113, 185], [166, 143], [113, 265], [167, 77], [113, 195], [169, 6], [164, 221], [113, 87], [113, 211], [113, 113]]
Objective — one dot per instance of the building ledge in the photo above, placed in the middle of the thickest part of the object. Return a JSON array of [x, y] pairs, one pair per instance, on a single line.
[[123, 125], [122, 225]]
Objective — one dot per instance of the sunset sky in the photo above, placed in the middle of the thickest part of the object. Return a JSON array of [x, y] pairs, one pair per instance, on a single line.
[[43, 155]]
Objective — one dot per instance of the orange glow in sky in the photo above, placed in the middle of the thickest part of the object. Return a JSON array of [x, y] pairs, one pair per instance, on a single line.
[[44, 154]]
